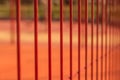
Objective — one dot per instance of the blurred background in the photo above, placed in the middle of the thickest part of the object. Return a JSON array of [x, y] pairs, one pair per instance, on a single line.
[[27, 10]]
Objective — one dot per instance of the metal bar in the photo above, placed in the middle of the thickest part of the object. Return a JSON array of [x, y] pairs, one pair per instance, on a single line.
[[97, 52], [49, 40], [110, 29], [71, 15], [106, 35], [36, 37], [92, 54], [61, 39], [112, 42], [102, 39], [18, 17], [113, 58], [79, 38], [12, 21], [86, 47], [119, 35], [115, 54]]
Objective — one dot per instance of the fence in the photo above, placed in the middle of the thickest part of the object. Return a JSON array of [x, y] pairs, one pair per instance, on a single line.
[[102, 52]]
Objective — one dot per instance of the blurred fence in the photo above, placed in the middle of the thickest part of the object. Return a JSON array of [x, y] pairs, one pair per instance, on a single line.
[[101, 15]]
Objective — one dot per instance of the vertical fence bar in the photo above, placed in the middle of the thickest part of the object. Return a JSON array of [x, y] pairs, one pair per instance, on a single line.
[[79, 38], [102, 39], [61, 39], [119, 49], [112, 40], [97, 52], [92, 17], [12, 21], [86, 47], [36, 37], [106, 35], [71, 2], [116, 52], [113, 51], [116, 62], [18, 39], [110, 28], [49, 40]]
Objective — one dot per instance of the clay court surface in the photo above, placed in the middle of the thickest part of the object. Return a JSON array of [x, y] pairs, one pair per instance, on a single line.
[[8, 66]]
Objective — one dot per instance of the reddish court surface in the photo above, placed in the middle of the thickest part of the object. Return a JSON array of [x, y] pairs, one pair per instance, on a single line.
[[8, 66]]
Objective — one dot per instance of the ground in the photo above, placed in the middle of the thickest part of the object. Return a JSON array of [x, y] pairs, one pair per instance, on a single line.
[[8, 66]]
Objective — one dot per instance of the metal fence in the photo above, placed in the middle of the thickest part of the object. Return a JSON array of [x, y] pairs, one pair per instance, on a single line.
[[106, 59]]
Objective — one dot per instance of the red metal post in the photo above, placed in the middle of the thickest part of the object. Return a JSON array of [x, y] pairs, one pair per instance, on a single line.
[[12, 21], [116, 53], [49, 40], [110, 29], [112, 67], [97, 52], [61, 39], [86, 47], [71, 5], [106, 35], [111, 41], [92, 24], [102, 39], [116, 74], [36, 37], [18, 17], [79, 38]]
